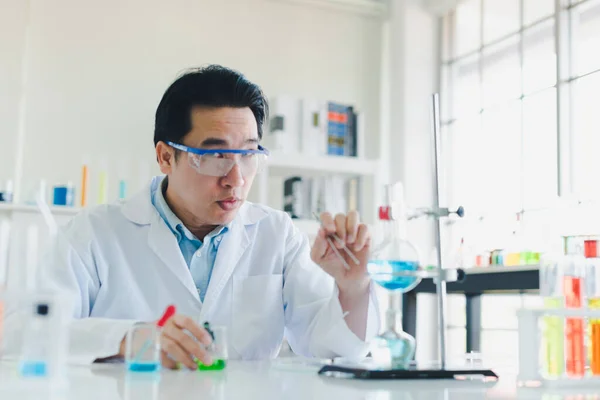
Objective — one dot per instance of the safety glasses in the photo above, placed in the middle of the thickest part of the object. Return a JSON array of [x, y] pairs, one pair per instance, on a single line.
[[219, 162]]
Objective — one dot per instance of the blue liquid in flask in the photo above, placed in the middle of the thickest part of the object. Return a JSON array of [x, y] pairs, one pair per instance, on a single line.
[[143, 366], [382, 272]]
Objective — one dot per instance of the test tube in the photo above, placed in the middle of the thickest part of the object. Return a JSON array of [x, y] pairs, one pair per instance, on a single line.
[[574, 326], [84, 184], [122, 189], [122, 176], [553, 326], [593, 300]]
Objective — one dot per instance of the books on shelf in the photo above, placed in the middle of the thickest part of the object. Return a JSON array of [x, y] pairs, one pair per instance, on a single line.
[[335, 194], [314, 127]]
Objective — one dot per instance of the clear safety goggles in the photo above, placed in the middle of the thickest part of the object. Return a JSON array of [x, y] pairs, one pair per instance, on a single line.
[[218, 162]]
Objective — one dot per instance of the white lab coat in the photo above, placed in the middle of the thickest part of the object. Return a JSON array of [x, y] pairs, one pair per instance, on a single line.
[[122, 265]]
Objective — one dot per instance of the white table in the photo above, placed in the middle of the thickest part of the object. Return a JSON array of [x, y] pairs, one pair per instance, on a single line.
[[259, 380]]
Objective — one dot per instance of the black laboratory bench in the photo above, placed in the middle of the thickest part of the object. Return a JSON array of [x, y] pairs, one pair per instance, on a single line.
[[478, 281]]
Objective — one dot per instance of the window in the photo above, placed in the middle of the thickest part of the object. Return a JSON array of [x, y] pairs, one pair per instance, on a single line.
[[519, 80]]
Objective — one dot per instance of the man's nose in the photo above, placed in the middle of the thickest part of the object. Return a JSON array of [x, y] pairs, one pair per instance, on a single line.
[[234, 177]]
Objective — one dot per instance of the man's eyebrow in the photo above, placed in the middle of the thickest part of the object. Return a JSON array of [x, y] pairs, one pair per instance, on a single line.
[[213, 142], [221, 142]]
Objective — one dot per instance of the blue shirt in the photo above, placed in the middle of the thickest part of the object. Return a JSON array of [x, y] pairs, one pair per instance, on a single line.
[[199, 256]]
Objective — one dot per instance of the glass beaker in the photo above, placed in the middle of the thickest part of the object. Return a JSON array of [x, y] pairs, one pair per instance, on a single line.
[[142, 348], [217, 349]]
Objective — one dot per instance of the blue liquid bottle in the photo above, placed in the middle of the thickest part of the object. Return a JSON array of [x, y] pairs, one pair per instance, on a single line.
[[36, 355]]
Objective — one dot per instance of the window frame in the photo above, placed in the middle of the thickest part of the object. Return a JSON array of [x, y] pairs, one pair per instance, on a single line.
[[565, 31]]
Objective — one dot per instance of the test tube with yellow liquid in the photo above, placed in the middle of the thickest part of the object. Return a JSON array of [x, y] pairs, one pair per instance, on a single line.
[[103, 182], [553, 331]]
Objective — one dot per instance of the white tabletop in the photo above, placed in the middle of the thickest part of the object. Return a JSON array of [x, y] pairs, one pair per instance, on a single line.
[[260, 380]]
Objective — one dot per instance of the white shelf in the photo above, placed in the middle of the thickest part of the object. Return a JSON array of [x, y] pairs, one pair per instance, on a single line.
[[23, 208], [279, 163], [371, 8]]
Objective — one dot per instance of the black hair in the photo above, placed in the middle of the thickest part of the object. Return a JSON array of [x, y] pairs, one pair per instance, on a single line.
[[210, 86]]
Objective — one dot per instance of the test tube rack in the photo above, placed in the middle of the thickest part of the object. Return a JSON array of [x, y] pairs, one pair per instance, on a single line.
[[531, 362]]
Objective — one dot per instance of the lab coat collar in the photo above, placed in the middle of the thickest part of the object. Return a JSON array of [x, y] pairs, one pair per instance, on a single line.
[[139, 208]]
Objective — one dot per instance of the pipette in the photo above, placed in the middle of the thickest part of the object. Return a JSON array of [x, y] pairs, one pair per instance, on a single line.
[[169, 312], [335, 250]]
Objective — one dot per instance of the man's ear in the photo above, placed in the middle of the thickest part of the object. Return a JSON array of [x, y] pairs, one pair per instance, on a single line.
[[165, 155]]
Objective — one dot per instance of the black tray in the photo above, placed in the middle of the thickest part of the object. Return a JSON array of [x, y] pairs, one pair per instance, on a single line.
[[358, 373]]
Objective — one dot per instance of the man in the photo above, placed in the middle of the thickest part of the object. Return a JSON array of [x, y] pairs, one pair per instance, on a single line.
[[190, 239]]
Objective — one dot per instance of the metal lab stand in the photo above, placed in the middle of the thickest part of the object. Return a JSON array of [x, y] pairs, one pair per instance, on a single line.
[[440, 276]]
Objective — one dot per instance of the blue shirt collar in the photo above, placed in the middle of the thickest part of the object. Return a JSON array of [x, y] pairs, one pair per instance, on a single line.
[[174, 223]]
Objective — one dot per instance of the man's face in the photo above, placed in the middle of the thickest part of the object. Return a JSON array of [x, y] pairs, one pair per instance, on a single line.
[[208, 199]]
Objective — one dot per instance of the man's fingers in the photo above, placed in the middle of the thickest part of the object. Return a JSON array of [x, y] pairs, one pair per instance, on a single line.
[[167, 361], [340, 229], [196, 348], [352, 220], [171, 347], [319, 248], [362, 238], [184, 322], [328, 223], [185, 341]]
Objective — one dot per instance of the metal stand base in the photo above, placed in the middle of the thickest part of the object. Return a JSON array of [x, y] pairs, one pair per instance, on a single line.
[[358, 373]]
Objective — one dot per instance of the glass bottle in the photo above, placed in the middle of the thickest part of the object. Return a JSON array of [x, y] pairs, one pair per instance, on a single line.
[[393, 267]]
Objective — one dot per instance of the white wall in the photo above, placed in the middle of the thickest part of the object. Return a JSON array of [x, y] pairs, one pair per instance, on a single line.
[[13, 20], [96, 70], [413, 80]]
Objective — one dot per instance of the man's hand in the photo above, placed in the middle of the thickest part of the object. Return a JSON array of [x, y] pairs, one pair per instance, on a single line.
[[356, 238], [178, 346]]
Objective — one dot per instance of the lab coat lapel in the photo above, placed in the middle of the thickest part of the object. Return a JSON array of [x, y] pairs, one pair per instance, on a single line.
[[230, 251], [164, 243]]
